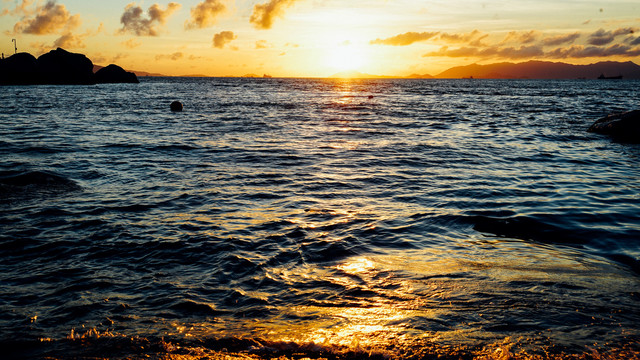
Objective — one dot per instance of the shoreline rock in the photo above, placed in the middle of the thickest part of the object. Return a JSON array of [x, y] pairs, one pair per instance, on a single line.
[[114, 74], [620, 126], [59, 67]]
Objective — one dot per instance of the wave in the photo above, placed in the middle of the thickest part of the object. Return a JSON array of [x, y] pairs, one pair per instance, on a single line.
[[16, 186], [109, 345], [550, 229]]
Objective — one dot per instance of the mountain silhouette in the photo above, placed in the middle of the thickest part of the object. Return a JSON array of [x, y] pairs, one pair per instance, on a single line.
[[544, 70]]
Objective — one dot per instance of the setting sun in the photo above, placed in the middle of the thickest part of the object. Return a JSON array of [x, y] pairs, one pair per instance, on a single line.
[[345, 57]]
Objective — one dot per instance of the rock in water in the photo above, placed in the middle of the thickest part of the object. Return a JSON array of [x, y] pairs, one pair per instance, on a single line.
[[62, 67], [115, 74], [623, 126], [176, 106]]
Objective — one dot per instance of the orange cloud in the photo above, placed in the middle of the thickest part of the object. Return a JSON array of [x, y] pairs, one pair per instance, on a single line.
[[204, 14], [48, 19], [462, 38], [131, 44], [537, 51], [223, 38], [560, 39], [100, 59], [534, 45], [521, 37], [69, 41], [22, 9], [264, 14], [133, 21], [602, 37], [411, 37], [175, 56], [579, 51], [262, 44], [522, 52], [405, 39]]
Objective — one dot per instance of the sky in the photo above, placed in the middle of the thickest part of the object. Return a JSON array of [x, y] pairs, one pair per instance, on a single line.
[[318, 38]]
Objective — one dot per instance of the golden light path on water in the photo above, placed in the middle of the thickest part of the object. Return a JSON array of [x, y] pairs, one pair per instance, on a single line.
[[394, 291], [380, 324]]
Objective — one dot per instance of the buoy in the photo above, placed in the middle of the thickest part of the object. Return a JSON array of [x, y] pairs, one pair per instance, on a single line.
[[176, 106]]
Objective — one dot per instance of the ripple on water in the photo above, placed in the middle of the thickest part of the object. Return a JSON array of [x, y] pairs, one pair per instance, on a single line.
[[286, 217]]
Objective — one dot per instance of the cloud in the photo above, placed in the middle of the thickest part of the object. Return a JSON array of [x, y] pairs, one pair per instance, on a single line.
[[101, 59], [462, 38], [21, 9], [131, 44], [560, 39], [133, 21], [175, 56], [522, 52], [521, 37], [47, 19], [264, 14], [51, 18], [405, 39], [204, 14], [262, 44], [536, 51], [409, 38], [602, 37], [223, 38], [69, 41], [579, 51], [534, 45]]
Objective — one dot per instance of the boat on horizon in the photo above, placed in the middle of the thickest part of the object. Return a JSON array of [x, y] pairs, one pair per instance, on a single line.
[[602, 77]]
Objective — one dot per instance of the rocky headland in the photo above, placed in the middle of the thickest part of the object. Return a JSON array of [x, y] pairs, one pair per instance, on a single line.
[[59, 67]]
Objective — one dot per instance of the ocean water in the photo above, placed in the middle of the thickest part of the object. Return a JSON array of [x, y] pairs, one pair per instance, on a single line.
[[311, 218]]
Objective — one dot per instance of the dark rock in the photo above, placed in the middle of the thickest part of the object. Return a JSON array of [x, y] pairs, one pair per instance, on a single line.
[[622, 126], [115, 74], [19, 69], [62, 67], [58, 67], [176, 106]]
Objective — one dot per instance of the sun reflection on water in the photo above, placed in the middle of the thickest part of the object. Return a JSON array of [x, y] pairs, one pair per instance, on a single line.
[[357, 266]]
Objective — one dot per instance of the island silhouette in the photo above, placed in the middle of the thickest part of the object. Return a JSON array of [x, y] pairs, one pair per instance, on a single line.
[[59, 67]]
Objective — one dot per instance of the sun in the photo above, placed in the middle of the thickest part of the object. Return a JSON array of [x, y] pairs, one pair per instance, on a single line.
[[345, 57]]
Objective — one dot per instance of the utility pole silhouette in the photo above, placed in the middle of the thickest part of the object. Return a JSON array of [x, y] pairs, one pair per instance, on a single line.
[[15, 45]]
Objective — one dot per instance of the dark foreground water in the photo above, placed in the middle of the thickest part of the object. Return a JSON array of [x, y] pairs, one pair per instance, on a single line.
[[318, 219]]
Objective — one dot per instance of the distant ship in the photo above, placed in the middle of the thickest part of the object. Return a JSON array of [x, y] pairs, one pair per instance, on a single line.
[[602, 77]]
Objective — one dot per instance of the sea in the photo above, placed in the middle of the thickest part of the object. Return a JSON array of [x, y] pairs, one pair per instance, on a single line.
[[318, 219]]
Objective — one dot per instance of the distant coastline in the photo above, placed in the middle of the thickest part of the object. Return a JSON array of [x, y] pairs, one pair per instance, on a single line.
[[532, 70], [528, 70]]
